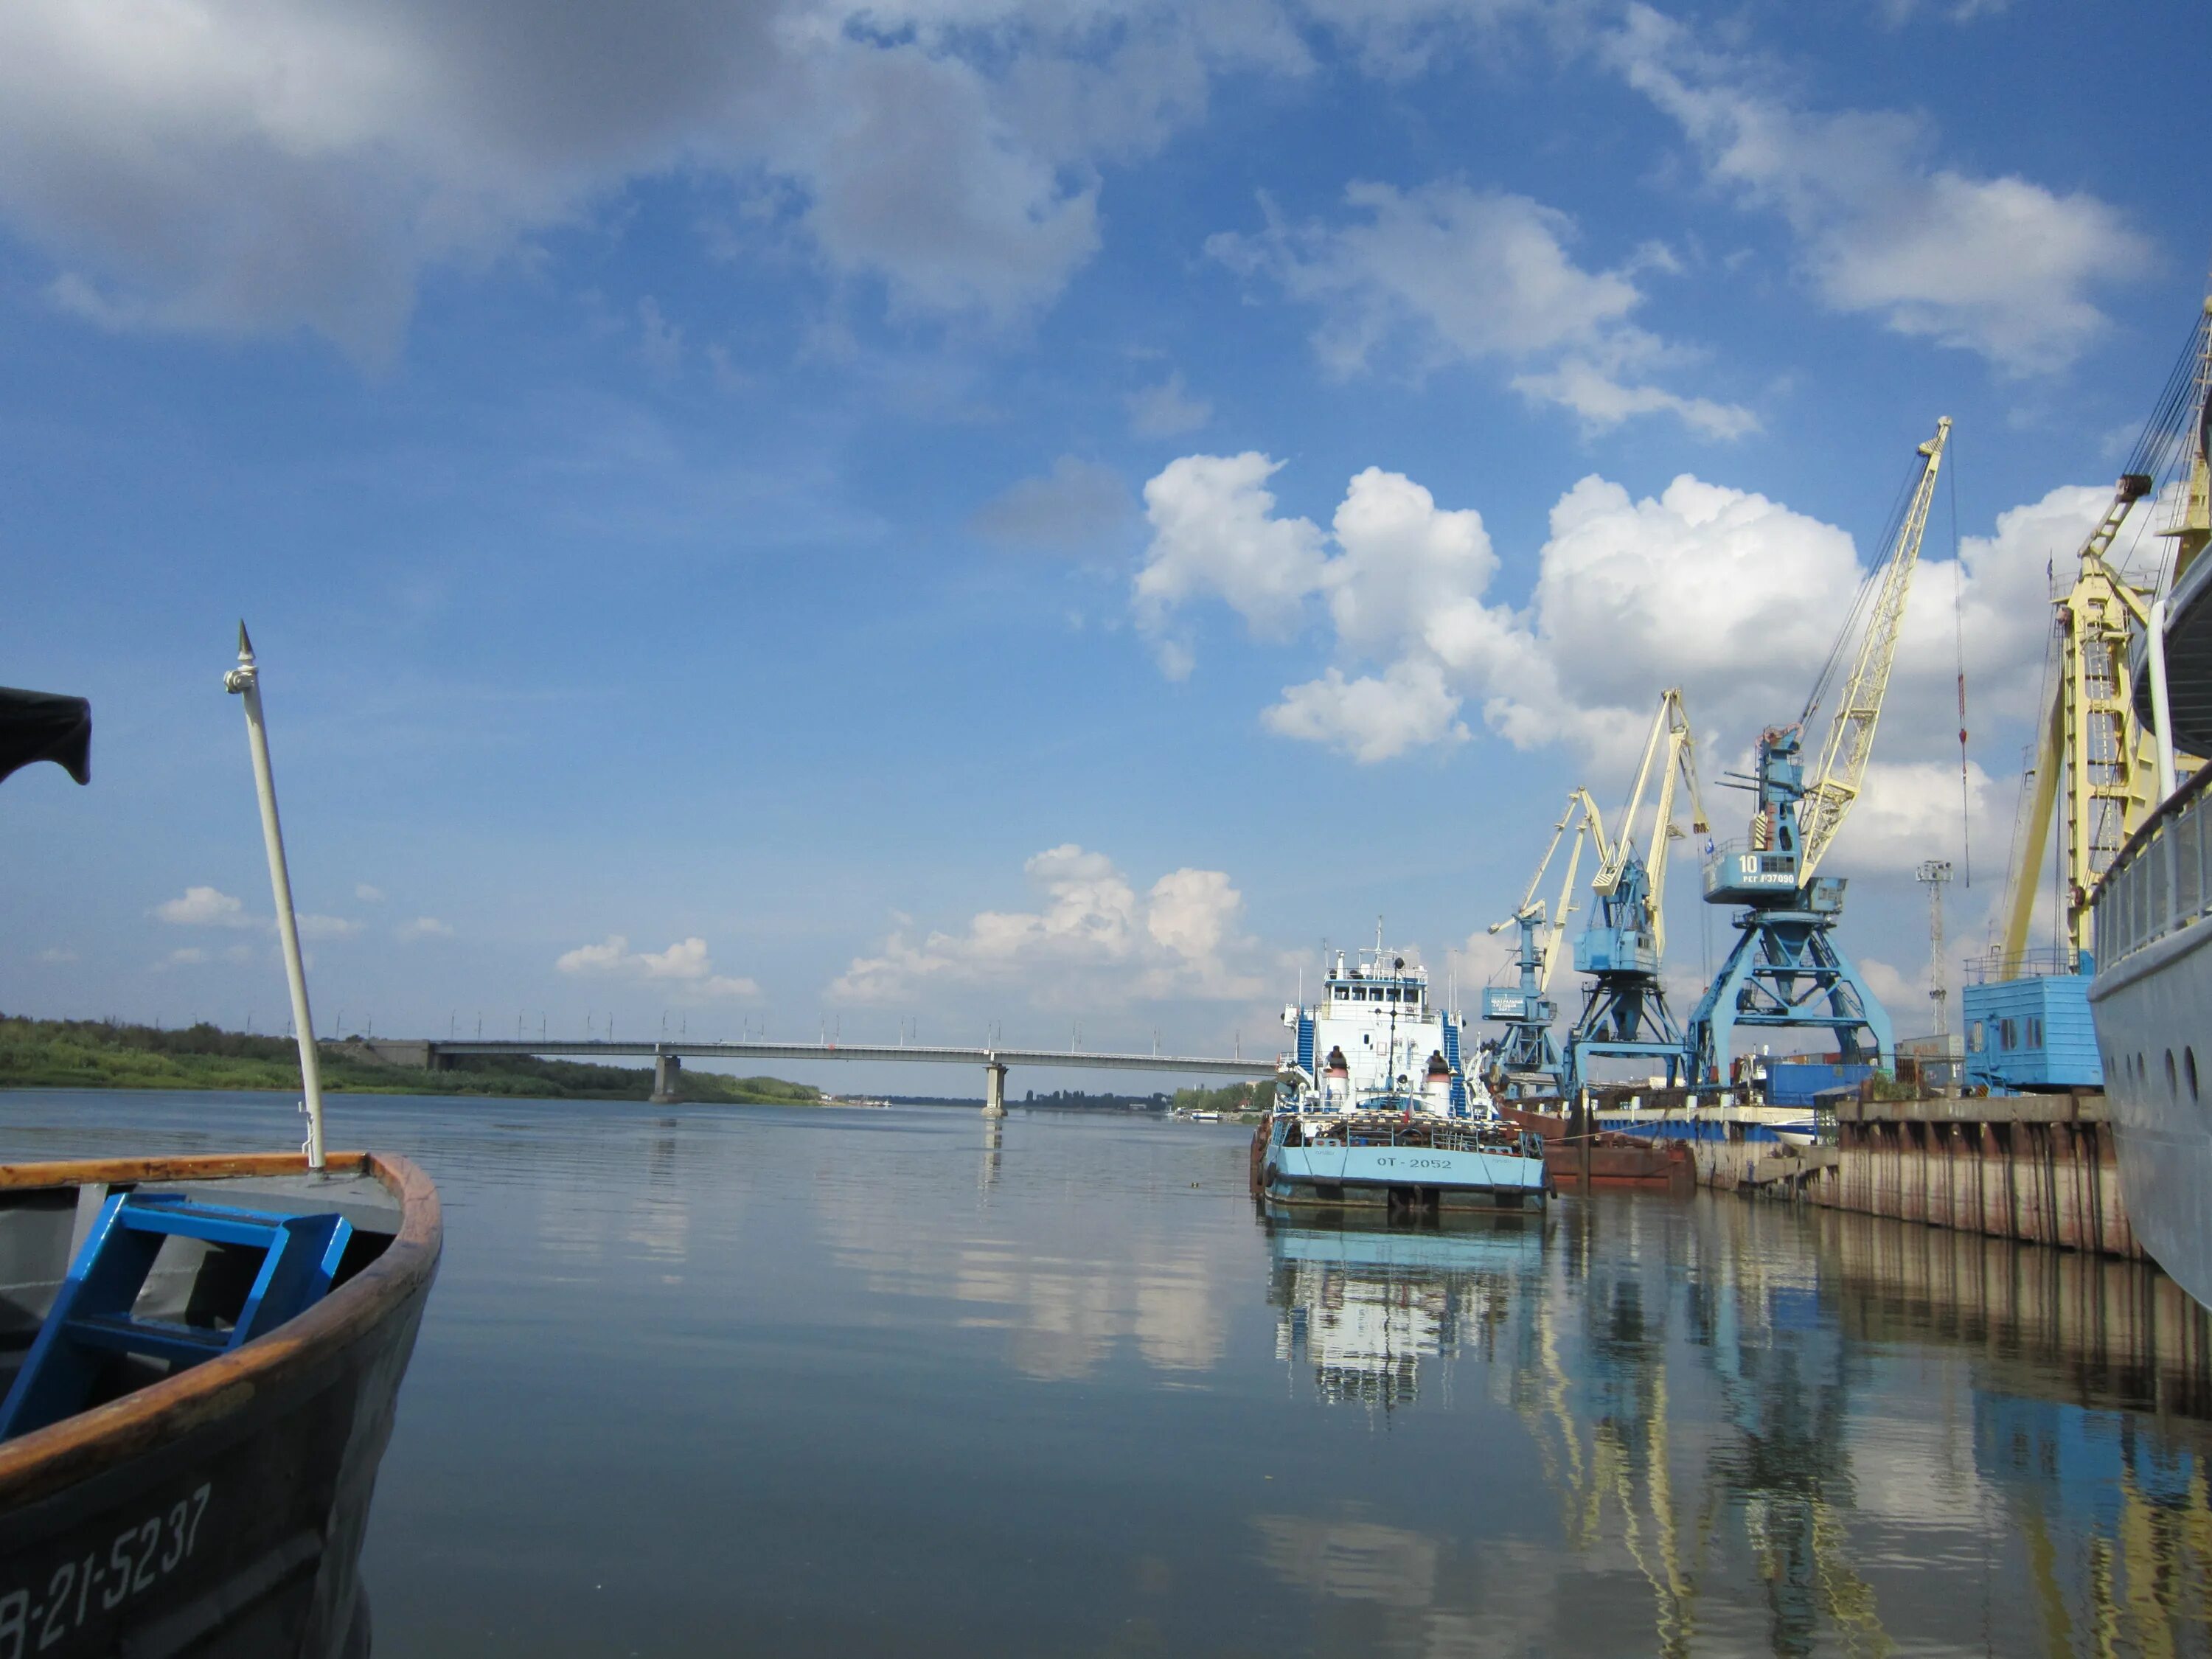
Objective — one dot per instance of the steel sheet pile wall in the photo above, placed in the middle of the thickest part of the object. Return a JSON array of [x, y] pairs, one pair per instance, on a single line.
[[2040, 1182], [2039, 1169]]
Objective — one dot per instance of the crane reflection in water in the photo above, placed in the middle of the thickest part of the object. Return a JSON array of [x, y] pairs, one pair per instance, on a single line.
[[1728, 1404]]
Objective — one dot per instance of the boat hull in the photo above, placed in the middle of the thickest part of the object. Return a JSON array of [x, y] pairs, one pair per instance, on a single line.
[[220, 1511], [1385, 1177], [2148, 1009], [1611, 1160]]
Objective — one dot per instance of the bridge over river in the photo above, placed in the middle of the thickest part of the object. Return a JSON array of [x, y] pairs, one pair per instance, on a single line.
[[668, 1057]]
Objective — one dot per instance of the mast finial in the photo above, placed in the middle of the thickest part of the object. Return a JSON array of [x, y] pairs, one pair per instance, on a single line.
[[245, 642]]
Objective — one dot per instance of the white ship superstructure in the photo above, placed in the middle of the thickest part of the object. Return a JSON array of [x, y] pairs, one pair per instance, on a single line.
[[1374, 1107], [1374, 1041]]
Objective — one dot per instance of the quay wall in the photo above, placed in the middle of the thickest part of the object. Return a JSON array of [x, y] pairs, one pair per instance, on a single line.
[[2039, 1169]]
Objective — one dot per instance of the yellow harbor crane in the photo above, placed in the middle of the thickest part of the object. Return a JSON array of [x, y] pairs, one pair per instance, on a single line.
[[1624, 1014], [2027, 1022], [1785, 968]]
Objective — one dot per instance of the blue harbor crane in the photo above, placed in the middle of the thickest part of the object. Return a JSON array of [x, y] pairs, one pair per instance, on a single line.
[[1527, 1058], [1786, 969], [1624, 1014]]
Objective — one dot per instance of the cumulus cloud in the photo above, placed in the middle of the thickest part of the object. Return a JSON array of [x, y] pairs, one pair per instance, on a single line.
[[1079, 507], [1372, 718], [1215, 533], [1091, 941], [1725, 592], [204, 907], [312, 926], [2003, 267], [686, 962], [1447, 274], [368, 895], [424, 927]]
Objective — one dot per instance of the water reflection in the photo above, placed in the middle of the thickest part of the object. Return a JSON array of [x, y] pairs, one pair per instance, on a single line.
[[995, 1133], [1361, 1307], [903, 1383], [1791, 1433], [1050, 1263]]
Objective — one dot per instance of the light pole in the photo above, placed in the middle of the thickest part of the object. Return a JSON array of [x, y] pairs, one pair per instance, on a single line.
[[1934, 873]]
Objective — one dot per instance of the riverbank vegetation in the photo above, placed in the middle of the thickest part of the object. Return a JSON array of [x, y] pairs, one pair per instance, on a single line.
[[1237, 1097], [87, 1053]]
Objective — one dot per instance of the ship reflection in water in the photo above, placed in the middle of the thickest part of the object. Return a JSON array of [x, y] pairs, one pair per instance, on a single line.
[[1363, 1306], [1789, 1432]]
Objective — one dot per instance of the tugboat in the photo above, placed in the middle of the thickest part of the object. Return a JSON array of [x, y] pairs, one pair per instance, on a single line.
[[1374, 1110]]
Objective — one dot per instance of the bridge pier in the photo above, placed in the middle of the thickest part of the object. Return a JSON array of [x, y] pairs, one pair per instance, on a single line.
[[667, 1074], [994, 1089]]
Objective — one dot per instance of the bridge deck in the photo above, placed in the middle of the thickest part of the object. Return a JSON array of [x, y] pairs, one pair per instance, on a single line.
[[599, 1049]]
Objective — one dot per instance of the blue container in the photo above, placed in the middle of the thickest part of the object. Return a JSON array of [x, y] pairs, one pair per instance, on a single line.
[[2032, 1033], [1795, 1082]]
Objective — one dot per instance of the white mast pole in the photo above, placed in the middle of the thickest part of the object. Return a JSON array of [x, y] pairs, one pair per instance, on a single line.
[[245, 681]]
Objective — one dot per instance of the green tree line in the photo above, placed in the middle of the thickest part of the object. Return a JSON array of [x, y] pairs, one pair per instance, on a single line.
[[1236, 1097], [90, 1053]]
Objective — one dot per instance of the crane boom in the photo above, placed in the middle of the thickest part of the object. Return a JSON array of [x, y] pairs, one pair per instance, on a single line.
[[1681, 765], [1841, 772], [1531, 909]]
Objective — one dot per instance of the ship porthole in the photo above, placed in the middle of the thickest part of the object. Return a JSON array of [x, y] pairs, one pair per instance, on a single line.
[[2172, 1088], [2189, 1071]]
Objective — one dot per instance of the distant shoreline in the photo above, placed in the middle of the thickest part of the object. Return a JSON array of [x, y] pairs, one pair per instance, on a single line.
[[47, 1054]]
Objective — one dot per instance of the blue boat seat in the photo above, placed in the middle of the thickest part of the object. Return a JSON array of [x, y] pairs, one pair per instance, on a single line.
[[93, 1319]]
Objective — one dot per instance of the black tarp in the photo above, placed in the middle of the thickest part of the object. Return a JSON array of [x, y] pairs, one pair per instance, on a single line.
[[39, 726]]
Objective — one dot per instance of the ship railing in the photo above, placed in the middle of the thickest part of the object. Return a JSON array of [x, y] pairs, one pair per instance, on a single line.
[[2159, 883], [1436, 1135], [1997, 963]]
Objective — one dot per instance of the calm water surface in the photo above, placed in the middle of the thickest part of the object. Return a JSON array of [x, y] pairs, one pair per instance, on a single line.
[[754, 1381]]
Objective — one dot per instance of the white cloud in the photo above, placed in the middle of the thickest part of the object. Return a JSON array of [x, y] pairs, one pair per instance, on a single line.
[[1079, 507], [425, 927], [1732, 596], [1898, 13], [1214, 532], [368, 895], [1372, 718], [261, 168], [1167, 410], [685, 959], [1905, 999], [1091, 941], [605, 958], [317, 927], [686, 962], [204, 907], [1405, 588], [1446, 274], [2003, 266], [189, 955], [55, 953]]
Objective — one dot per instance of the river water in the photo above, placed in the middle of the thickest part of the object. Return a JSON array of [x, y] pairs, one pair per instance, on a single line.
[[758, 1381]]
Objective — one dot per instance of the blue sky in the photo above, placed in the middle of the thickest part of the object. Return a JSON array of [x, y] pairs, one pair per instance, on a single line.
[[784, 486]]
